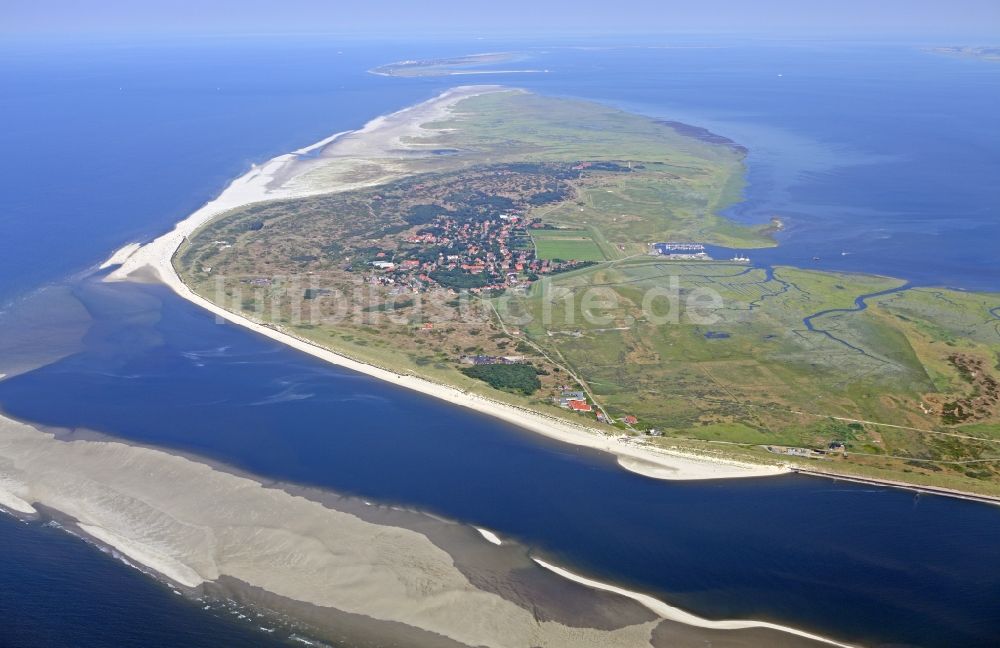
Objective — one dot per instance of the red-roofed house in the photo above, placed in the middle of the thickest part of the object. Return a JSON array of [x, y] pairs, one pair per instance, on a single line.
[[580, 406]]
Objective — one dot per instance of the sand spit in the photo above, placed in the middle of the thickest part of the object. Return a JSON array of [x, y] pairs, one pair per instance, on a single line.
[[672, 613], [150, 506], [120, 255], [294, 175]]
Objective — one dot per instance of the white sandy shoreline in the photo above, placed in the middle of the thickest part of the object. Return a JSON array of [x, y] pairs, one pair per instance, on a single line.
[[256, 186], [672, 613]]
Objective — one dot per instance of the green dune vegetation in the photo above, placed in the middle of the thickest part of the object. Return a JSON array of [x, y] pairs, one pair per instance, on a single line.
[[508, 253]]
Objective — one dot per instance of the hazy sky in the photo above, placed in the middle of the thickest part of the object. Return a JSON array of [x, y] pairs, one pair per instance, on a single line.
[[916, 18]]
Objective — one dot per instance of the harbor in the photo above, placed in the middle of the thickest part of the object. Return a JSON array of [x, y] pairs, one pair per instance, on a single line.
[[687, 251]]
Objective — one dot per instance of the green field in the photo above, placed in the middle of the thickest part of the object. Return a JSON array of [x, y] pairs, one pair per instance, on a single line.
[[572, 245], [875, 380]]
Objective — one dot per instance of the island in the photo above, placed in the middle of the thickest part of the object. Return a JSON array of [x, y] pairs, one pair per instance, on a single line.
[[455, 66], [981, 53], [543, 259]]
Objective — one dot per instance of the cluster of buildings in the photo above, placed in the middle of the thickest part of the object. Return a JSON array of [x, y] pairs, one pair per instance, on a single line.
[[390, 273], [575, 400], [497, 250]]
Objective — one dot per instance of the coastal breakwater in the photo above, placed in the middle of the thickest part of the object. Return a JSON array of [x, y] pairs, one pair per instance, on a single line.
[[887, 483]]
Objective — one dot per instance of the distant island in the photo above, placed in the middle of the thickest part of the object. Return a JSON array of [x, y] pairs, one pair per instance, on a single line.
[[982, 53], [455, 66], [516, 253]]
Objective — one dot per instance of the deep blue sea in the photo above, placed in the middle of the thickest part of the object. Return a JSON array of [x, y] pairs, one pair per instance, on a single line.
[[879, 158], [56, 590]]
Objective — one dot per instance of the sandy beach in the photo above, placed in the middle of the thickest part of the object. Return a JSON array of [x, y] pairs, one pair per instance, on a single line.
[[290, 176]]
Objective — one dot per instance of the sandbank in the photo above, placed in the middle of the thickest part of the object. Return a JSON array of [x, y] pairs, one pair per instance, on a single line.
[[150, 506], [489, 536]]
